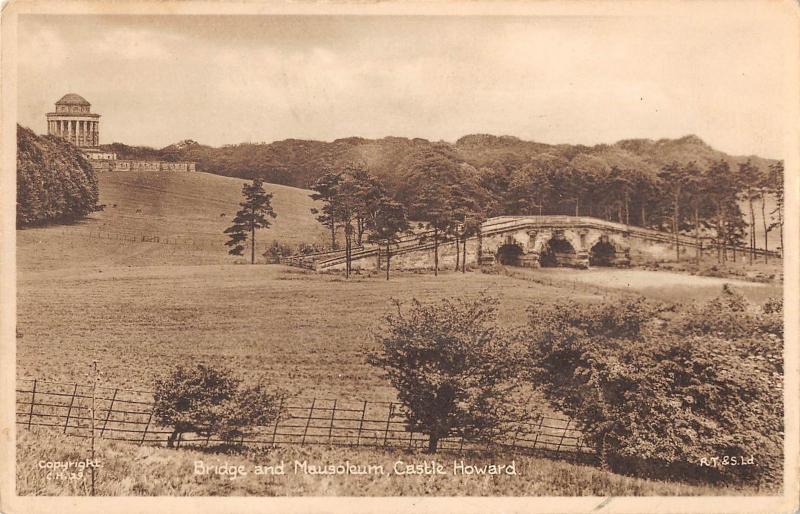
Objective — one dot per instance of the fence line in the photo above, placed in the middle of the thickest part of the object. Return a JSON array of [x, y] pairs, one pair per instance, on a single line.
[[128, 415], [177, 242]]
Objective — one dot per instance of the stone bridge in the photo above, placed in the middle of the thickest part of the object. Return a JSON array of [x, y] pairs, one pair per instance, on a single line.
[[532, 241]]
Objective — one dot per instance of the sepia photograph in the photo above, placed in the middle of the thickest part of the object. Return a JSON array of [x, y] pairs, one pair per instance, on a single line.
[[400, 256]]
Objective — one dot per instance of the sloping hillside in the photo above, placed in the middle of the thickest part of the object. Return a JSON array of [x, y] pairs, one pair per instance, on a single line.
[[157, 218], [196, 205]]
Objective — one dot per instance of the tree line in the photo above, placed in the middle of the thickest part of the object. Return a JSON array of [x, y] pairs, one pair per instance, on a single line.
[[448, 202], [55, 182], [681, 198], [451, 201], [359, 205]]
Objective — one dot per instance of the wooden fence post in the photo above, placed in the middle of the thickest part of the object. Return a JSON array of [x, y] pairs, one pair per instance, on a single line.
[[538, 431], [514, 440], [333, 416], [33, 402], [277, 421], [71, 403], [563, 433], [149, 419], [388, 420], [108, 413], [361, 423], [308, 421]]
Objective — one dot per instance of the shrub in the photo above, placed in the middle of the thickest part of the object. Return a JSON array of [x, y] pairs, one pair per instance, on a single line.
[[211, 401], [658, 399], [307, 249], [452, 367], [731, 315], [276, 251]]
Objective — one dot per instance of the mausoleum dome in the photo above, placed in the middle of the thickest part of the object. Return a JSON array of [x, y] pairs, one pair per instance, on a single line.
[[72, 99]]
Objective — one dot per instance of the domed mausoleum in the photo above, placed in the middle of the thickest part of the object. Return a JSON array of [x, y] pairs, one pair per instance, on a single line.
[[74, 121]]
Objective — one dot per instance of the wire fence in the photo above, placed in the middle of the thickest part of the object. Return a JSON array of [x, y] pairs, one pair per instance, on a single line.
[[128, 415], [146, 237]]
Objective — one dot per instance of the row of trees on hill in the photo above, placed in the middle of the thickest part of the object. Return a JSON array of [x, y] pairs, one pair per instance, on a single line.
[[55, 183], [683, 198], [711, 199], [359, 205], [451, 200]]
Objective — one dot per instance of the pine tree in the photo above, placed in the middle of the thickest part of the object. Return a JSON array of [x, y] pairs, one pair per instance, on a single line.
[[722, 191], [674, 183], [775, 179], [434, 206], [255, 209], [749, 178], [325, 188], [386, 225]]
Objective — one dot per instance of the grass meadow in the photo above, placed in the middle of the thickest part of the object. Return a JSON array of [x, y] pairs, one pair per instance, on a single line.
[[129, 470], [140, 308]]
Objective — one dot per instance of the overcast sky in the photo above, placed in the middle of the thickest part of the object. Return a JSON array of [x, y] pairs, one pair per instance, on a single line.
[[219, 80]]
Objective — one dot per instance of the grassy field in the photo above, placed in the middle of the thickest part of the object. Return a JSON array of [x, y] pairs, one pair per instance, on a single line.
[[129, 470], [139, 308], [299, 328], [192, 208]]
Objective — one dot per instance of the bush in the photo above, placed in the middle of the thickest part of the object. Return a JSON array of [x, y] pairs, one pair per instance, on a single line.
[[452, 367], [211, 401], [658, 399], [731, 315], [276, 251]]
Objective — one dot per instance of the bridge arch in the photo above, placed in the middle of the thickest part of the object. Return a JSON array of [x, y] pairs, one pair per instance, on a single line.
[[510, 254], [605, 249]]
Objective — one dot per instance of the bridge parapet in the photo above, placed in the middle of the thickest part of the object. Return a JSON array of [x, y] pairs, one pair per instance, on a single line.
[[578, 241]]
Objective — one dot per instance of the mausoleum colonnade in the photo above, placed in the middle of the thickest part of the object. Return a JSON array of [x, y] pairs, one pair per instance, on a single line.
[[79, 130]]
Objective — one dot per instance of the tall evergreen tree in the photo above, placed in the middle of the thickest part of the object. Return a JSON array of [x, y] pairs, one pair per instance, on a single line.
[[673, 183], [255, 208], [722, 192], [698, 201], [435, 209], [775, 179], [325, 188], [748, 180], [386, 225]]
